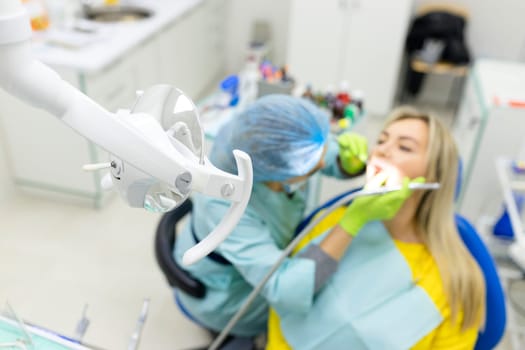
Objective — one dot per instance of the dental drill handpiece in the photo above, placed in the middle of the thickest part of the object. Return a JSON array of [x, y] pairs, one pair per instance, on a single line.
[[345, 199]]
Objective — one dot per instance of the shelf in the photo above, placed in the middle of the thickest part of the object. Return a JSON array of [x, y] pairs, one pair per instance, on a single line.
[[439, 68], [513, 187]]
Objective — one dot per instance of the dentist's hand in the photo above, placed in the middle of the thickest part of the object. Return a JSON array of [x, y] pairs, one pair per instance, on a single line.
[[375, 207], [353, 152]]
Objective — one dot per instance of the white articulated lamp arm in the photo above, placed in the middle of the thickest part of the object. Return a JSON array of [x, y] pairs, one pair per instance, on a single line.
[[142, 150]]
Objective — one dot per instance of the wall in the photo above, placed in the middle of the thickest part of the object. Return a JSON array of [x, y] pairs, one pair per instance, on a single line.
[[495, 30], [241, 15], [6, 186]]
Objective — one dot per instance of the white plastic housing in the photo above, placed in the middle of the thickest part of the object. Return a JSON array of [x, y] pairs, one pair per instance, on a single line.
[[137, 139]]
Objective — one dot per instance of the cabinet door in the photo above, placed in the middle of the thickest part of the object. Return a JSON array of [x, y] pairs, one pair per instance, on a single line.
[[146, 63], [500, 135], [375, 34], [315, 41], [467, 126], [182, 52], [114, 87], [214, 39], [44, 153]]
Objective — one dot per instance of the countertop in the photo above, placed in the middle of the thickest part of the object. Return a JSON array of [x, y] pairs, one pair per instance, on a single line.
[[110, 41], [500, 83]]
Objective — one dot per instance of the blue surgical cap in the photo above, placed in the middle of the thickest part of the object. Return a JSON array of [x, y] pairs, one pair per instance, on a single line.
[[283, 135]]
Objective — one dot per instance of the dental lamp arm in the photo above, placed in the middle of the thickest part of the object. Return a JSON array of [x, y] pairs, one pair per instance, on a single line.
[[135, 138]]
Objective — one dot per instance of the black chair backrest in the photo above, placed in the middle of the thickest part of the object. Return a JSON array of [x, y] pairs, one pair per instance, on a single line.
[[164, 243]]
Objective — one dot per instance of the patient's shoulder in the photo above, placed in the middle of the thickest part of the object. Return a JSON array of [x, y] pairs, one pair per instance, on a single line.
[[425, 273]]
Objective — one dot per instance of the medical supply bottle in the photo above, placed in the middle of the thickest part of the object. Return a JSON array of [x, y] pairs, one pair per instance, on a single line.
[[248, 78], [37, 13]]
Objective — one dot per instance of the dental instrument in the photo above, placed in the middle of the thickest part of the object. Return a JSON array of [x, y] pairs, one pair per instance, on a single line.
[[26, 337], [82, 325], [135, 337], [255, 292], [151, 165]]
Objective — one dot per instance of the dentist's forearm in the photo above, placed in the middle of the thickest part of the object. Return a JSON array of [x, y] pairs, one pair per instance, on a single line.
[[336, 243]]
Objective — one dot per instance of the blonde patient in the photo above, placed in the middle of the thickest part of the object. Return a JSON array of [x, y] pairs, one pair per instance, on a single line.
[[405, 278]]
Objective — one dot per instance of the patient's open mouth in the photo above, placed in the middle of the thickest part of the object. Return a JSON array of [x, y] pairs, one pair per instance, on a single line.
[[377, 168], [373, 168]]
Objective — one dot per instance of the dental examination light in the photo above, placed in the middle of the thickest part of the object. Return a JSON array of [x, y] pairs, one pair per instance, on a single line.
[[288, 250], [157, 148]]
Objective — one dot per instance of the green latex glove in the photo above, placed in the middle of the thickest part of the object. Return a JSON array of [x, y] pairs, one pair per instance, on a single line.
[[353, 152], [378, 207]]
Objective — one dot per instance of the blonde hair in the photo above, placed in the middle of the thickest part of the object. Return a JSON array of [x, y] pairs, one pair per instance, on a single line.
[[462, 278]]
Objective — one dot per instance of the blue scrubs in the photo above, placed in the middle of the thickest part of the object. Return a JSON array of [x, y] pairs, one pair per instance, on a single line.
[[256, 243]]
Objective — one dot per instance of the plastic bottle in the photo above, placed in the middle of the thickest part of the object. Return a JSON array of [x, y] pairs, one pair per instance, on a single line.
[[330, 97], [338, 109], [308, 94], [248, 84], [351, 111], [343, 94], [229, 91], [37, 13], [358, 99]]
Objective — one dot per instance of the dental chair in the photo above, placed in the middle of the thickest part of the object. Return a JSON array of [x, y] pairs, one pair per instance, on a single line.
[[488, 338]]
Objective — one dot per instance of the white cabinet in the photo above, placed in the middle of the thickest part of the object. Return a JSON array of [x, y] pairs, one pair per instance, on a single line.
[[191, 50], [46, 157], [485, 129], [360, 41]]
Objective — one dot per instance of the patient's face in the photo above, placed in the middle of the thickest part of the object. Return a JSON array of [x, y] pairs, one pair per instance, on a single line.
[[401, 150]]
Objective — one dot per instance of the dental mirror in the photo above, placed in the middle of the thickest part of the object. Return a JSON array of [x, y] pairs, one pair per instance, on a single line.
[[176, 113], [178, 116]]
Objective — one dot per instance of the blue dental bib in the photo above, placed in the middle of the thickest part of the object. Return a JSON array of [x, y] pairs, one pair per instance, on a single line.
[[371, 302]]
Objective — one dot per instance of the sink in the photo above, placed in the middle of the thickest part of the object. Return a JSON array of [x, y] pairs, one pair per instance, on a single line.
[[110, 14]]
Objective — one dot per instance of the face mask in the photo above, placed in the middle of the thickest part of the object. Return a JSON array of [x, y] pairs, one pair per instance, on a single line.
[[293, 187]]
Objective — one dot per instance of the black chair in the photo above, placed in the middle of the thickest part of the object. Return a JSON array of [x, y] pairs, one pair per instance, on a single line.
[[181, 279], [164, 243]]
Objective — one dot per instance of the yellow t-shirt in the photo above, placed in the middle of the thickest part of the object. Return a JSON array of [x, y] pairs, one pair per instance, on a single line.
[[447, 335]]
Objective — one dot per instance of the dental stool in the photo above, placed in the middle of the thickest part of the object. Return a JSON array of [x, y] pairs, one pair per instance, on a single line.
[[179, 278]]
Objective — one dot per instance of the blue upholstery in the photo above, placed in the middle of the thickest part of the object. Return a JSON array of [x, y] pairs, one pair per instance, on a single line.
[[495, 307], [496, 315], [496, 311]]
